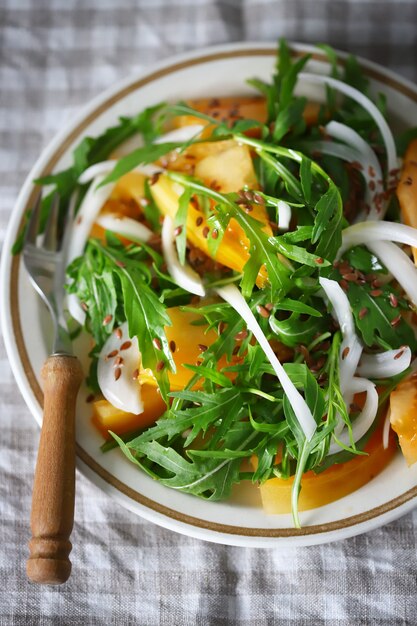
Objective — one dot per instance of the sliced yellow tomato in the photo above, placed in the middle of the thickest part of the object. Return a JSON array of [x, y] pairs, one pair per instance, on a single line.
[[125, 200], [334, 483], [232, 109], [106, 417], [187, 342], [407, 189], [225, 109], [230, 170], [403, 417]]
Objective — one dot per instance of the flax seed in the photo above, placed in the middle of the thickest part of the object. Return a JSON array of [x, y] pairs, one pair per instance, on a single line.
[[396, 320], [345, 352], [202, 347], [350, 277], [206, 231], [214, 233], [118, 361], [135, 374], [160, 366], [241, 335], [177, 231], [258, 198], [362, 313], [262, 311], [398, 355], [375, 293], [199, 221], [84, 306], [157, 343], [221, 327], [112, 354], [107, 320], [318, 260], [172, 345], [154, 178], [269, 306], [126, 345], [393, 300], [119, 333], [117, 373], [344, 284]]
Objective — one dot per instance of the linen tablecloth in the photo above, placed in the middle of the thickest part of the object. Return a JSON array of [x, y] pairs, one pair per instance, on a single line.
[[54, 56]]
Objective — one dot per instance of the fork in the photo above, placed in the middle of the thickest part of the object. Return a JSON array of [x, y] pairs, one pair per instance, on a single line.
[[52, 515]]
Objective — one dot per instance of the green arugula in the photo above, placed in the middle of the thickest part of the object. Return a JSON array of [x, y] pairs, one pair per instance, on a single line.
[[114, 283]]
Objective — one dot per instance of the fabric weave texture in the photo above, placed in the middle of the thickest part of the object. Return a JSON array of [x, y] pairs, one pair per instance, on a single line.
[[54, 56]]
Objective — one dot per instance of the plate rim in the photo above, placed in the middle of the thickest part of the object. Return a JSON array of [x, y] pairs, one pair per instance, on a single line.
[[27, 380]]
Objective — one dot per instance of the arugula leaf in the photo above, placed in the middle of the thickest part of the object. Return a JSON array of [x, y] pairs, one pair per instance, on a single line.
[[376, 324], [181, 224], [140, 156], [93, 281], [111, 281], [261, 250]]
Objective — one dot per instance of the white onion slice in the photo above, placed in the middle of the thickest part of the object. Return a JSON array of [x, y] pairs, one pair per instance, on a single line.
[[367, 104], [365, 419], [386, 429], [398, 264], [80, 230], [232, 295], [183, 134], [284, 215], [386, 364], [87, 215], [351, 348], [361, 234], [125, 226], [355, 141], [341, 305], [350, 154], [105, 167], [124, 392], [183, 275]]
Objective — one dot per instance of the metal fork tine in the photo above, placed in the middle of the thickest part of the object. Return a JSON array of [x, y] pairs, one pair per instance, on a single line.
[[33, 226], [51, 229], [68, 222]]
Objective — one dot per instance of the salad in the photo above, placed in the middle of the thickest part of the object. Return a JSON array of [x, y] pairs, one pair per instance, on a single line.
[[245, 268]]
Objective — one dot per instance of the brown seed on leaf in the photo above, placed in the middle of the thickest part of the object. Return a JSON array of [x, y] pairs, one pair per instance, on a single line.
[[157, 343]]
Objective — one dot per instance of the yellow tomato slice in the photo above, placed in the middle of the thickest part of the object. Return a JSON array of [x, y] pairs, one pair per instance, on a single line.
[[233, 109], [403, 417], [233, 251], [187, 342], [106, 417], [334, 483], [407, 189]]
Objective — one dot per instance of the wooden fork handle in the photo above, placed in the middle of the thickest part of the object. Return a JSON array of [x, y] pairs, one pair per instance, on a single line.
[[53, 495]]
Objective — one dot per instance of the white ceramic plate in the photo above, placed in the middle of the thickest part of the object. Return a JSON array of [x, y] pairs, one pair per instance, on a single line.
[[219, 71]]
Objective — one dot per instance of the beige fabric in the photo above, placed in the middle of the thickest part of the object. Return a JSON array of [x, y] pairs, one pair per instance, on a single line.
[[54, 56]]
